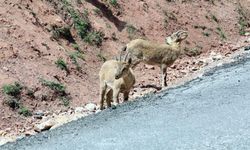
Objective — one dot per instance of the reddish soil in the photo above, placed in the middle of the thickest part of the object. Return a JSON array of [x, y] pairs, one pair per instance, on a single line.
[[28, 53]]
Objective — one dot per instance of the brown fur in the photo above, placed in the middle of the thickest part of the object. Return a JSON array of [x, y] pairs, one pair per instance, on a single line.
[[115, 77], [153, 53]]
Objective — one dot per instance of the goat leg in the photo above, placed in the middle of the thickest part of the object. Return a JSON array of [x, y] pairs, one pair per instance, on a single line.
[[164, 75]]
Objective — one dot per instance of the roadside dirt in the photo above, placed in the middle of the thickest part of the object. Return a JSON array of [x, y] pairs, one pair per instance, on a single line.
[[28, 52]]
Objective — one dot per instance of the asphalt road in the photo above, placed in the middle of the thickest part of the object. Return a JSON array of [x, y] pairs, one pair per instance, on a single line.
[[208, 113]]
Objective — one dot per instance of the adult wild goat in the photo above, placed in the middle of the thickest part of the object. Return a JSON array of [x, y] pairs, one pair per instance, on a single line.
[[152, 53]]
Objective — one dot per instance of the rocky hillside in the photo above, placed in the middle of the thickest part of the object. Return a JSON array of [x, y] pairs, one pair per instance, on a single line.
[[51, 51]]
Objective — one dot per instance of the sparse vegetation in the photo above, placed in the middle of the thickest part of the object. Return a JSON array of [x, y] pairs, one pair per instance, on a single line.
[[206, 34], [74, 56], [62, 32], [214, 18], [81, 23], [101, 57], [94, 38], [55, 86], [24, 111], [221, 33], [131, 31], [12, 102], [243, 25], [65, 101], [60, 63], [97, 12], [200, 27], [113, 2], [59, 90], [12, 89], [79, 1], [83, 26], [76, 46], [30, 93], [108, 26]]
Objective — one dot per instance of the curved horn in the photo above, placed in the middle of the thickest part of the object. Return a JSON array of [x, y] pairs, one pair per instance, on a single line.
[[126, 56], [120, 59], [180, 32]]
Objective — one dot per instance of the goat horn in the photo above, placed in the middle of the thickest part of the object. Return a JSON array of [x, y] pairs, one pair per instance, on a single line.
[[120, 59], [180, 32], [126, 56]]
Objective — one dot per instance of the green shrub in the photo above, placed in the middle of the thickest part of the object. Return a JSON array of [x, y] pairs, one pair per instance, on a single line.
[[243, 25], [60, 63], [76, 46], [97, 11], [65, 101], [55, 86], [131, 31], [94, 38], [206, 34], [62, 32], [25, 112], [30, 93], [221, 33], [215, 18], [12, 103], [74, 56], [113, 2], [101, 57], [12, 89]]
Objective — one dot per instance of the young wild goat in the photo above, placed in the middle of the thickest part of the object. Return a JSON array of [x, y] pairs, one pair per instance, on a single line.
[[116, 77], [163, 55]]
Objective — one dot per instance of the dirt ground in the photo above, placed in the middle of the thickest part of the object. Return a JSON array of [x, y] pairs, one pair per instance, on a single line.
[[28, 51]]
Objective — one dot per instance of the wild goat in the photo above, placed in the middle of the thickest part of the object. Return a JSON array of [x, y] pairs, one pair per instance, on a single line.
[[116, 77], [152, 53]]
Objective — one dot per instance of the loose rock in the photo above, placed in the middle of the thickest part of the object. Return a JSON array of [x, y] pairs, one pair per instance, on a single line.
[[247, 48], [79, 109], [39, 114], [44, 126], [91, 107], [215, 56]]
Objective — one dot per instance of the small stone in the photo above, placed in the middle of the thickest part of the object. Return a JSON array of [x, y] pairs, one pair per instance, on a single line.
[[215, 56], [29, 133], [39, 114], [44, 126], [98, 111], [149, 67], [247, 33], [4, 140], [194, 69], [79, 109], [5, 69], [91, 107], [247, 48]]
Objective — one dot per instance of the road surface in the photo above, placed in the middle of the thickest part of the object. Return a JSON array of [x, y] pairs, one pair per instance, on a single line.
[[208, 113]]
